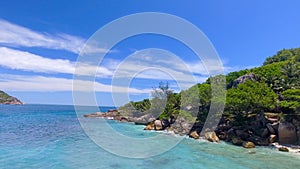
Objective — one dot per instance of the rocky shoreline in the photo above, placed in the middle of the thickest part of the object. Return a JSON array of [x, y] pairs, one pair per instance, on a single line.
[[262, 130], [7, 99]]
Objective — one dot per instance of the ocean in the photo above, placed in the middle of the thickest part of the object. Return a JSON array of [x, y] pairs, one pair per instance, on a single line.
[[50, 136]]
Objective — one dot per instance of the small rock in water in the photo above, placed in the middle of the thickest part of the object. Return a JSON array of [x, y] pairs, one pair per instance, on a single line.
[[194, 135], [211, 136], [283, 149]]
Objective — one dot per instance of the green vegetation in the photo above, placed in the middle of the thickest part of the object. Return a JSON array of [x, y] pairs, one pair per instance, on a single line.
[[4, 97], [284, 55], [249, 97], [275, 88], [291, 102]]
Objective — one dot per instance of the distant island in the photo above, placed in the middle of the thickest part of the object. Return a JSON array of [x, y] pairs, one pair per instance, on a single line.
[[7, 99], [262, 106]]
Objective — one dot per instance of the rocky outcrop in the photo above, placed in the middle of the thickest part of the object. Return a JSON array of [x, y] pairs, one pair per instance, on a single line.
[[111, 114], [7, 99], [181, 126], [243, 79], [143, 120]]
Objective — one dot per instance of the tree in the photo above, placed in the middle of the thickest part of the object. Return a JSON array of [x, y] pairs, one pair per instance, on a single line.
[[251, 96], [291, 101], [291, 74], [162, 91], [160, 99], [284, 55]]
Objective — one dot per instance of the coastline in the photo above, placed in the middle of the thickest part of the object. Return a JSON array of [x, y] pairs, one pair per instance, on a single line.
[[115, 115]]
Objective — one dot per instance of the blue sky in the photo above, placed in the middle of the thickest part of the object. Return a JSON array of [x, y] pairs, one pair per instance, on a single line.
[[40, 41]]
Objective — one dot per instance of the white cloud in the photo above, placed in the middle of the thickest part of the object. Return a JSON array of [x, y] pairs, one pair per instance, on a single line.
[[20, 60], [10, 82]]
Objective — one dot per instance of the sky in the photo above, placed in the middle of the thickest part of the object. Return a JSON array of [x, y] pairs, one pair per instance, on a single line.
[[41, 41]]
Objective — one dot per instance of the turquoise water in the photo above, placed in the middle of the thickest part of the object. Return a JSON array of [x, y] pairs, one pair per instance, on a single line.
[[43, 136]]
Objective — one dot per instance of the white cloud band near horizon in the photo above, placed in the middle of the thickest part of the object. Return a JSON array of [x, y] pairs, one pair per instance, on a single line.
[[9, 82], [25, 61]]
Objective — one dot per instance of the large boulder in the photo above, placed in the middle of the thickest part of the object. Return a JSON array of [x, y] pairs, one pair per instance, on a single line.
[[211, 136], [158, 125], [181, 126], [287, 133], [248, 144], [194, 135]]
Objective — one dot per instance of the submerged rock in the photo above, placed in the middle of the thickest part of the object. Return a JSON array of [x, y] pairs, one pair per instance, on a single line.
[[283, 149]]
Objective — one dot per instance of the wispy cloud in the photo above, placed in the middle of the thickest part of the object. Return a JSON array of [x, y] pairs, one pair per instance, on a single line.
[[19, 36], [15, 35], [10, 82]]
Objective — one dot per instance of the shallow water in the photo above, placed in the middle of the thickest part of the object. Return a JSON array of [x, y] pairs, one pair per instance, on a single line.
[[43, 136]]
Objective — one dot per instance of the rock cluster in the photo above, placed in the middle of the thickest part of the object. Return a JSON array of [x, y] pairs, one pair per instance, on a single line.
[[261, 130]]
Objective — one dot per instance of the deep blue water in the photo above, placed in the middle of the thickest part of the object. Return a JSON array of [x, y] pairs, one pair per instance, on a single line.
[[49, 136]]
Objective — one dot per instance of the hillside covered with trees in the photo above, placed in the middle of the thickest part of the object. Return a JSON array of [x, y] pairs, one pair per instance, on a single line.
[[262, 105], [273, 87], [7, 99]]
